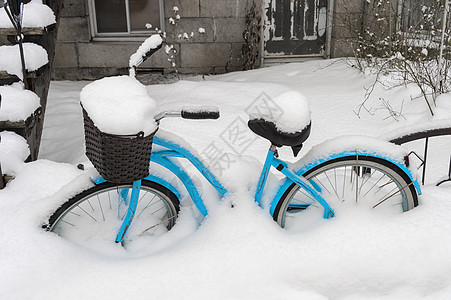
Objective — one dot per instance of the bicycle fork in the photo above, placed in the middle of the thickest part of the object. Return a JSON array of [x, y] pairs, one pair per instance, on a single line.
[[130, 212], [281, 166]]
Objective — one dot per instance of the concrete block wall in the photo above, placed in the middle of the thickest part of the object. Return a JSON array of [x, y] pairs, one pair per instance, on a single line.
[[218, 50], [348, 18]]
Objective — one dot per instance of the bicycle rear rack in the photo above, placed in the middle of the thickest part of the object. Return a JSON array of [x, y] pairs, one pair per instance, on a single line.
[[425, 135]]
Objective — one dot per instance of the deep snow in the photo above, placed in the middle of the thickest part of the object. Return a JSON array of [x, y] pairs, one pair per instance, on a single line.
[[238, 252]]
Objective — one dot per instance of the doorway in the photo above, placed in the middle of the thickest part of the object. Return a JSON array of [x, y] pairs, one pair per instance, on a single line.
[[295, 28]]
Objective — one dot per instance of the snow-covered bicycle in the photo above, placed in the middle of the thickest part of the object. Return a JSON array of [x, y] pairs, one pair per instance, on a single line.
[[348, 169]]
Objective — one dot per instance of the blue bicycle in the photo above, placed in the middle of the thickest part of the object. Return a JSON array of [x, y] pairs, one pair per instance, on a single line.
[[322, 179], [150, 206]]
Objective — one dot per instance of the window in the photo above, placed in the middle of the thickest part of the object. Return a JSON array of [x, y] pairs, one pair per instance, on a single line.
[[125, 17]]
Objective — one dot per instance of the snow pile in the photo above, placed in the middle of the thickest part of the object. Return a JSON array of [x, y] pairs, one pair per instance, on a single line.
[[35, 57], [291, 112], [417, 122], [443, 107], [238, 251], [138, 57], [35, 14], [13, 152], [16, 103], [119, 105]]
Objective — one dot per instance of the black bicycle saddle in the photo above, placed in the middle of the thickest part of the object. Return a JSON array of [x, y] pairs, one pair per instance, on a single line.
[[269, 131]]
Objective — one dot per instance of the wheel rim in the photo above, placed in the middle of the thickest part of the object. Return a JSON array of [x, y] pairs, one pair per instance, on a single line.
[[370, 183], [95, 219]]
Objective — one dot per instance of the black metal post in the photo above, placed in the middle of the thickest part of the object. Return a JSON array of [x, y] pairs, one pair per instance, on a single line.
[[18, 28], [449, 170], [426, 144], [22, 59], [2, 179]]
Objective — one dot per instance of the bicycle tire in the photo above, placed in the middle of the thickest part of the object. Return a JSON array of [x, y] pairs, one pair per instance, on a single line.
[[399, 188], [84, 220]]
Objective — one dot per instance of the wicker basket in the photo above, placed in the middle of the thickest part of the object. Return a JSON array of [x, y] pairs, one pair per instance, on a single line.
[[118, 158]]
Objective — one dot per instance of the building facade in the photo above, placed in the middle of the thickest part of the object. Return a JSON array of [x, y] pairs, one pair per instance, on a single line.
[[97, 37]]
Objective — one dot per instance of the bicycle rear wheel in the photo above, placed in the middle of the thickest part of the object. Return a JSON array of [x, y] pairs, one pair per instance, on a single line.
[[93, 217], [371, 181]]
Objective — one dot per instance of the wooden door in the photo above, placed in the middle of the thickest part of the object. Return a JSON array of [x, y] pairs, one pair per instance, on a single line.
[[295, 27]]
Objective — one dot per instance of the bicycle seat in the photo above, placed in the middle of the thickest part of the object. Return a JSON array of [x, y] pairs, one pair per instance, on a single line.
[[269, 131]]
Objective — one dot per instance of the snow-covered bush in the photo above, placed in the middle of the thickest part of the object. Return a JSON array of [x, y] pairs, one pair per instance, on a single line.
[[404, 38]]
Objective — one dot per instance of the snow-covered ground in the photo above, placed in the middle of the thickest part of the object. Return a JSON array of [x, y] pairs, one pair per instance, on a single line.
[[239, 252]]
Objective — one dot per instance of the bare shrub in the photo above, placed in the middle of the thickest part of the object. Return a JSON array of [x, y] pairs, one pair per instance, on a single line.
[[403, 39]]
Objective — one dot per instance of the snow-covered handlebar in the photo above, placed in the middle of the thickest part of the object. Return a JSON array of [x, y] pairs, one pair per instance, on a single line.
[[147, 48]]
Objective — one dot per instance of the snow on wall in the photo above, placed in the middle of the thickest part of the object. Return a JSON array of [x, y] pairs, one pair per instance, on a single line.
[[35, 57], [13, 151], [35, 15], [17, 104]]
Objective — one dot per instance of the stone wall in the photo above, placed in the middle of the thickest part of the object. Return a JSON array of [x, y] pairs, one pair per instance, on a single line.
[[218, 50], [79, 57], [348, 18]]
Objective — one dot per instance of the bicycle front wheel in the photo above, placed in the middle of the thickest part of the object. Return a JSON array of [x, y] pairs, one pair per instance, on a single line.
[[371, 181], [93, 218]]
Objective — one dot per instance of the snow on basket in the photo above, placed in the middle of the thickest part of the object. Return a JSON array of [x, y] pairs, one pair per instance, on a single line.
[[290, 112], [119, 127], [14, 151]]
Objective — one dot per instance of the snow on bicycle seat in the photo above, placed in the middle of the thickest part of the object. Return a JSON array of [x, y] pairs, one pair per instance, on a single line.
[[284, 120]]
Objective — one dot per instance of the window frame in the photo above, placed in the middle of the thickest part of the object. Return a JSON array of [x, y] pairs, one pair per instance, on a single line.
[[122, 36]]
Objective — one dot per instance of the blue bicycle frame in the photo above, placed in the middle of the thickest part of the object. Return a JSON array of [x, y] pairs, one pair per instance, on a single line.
[[163, 158], [171, 150]]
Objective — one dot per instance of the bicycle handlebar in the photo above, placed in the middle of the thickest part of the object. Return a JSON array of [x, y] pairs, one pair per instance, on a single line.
[[186, 113], [197, 115]]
